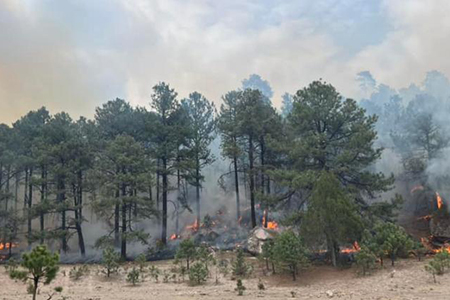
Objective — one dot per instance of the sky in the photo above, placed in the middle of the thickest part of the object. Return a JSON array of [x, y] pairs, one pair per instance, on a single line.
[[74, 55]]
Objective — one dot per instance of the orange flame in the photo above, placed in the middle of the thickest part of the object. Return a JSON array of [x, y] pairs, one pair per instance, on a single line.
[[354, 249], [439, 201], [272, 225], [195, 226], [7, 246], [174, 236]]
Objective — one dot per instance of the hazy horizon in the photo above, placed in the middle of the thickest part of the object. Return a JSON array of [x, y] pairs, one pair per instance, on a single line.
[[75, 55]]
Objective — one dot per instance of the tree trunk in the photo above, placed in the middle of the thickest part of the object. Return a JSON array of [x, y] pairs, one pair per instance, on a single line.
[[117, 221], [30, 203], [61, 200], [164, 202], [197, 190], [41, 215], [123, 249], [294, 273], [158, 200], [8, 173], [252, 181], [79, 215], [236, 186]]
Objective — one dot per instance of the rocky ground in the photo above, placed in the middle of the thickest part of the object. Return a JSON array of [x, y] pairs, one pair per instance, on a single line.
[[408, 280]]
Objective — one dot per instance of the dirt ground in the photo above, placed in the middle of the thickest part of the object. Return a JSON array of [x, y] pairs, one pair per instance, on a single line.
[[409, 281]]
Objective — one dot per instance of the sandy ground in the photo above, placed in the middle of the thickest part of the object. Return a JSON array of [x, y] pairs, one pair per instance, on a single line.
[[409, 281]]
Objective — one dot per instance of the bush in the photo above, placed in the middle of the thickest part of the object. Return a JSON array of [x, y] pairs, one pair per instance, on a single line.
[[261, 286], [240, 268], [365, 260], [133, 276], [198, 273], [141, 260], [187, 251], [388, 239], [240, 288], [289, 252], [110, 261], [38, 265], [438, 264], [419, 250], [76, 273], [155, 272]]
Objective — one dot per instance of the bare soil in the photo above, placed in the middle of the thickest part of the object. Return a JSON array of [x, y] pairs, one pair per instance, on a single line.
[[407, 280]]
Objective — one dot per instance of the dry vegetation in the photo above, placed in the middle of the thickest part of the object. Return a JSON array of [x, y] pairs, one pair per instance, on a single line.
[[408, 281]]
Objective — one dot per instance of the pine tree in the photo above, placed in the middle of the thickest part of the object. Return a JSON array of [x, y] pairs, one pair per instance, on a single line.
[[290, 252], [38, 266], [200, 113]]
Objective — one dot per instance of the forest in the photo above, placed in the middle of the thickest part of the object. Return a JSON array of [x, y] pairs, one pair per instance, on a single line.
[[316, 169]]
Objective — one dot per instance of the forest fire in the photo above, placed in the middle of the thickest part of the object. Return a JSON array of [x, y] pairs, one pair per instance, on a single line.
[[353, 249], [194, 226], [174, 237], [8, 245], [270, 224], [439, 201]]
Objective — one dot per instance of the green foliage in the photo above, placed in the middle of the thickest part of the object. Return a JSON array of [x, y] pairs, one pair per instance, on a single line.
[[289, 252], [198, 273], [365, 260], [240, 268], [388, 239], [419, 250], [261, 285], [133, 276], [155, 272], [240, 288], [76, 273], [37, 266], [438, 265], [187, 250], [331, 214], [395, 241], [141, 260], [205, 256], [110, 261]]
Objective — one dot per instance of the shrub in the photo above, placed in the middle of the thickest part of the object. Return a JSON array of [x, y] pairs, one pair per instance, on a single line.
[[289, 252], [240, 267], [419, 250], [198, 273], [76, 273], [141, 260], [240, 288], [261, 286], [110, 261], [133, 276], [37, 266], [155, 272], [365, 260], [187, 251]]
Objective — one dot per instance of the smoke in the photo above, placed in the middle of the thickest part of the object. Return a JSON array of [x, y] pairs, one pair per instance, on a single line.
[[404, 114]]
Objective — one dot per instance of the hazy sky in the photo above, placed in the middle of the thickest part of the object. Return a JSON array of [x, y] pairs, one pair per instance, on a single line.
[[73, 55]]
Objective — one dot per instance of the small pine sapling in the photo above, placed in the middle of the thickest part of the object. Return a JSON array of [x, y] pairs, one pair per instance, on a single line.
[[365, 260], [198, 273], [187, 251], [141, 260], [261, 285], [37, 266], [240, 268], [133, 276], [154, 273], [110, 261], [76, 273], [240, 288]]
